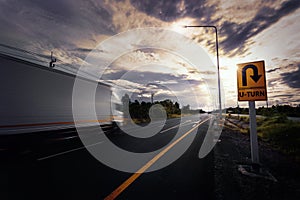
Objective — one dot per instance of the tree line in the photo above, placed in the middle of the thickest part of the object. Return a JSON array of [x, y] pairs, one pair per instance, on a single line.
[[140, 110], [291, 111]]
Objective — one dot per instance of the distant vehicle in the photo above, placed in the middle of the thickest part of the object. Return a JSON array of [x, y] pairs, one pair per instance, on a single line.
[[36, 98]]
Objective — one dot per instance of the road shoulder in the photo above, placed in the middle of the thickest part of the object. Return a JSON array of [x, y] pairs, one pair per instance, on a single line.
[[234, 149]]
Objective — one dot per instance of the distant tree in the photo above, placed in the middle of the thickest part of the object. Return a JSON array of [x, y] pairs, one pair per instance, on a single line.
[[201, 111], [176, 108], [185, 109]]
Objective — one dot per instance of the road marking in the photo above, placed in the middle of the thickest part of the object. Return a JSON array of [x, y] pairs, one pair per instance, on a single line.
[[175, 126], [133, 177], [69, 151], [169, 129]]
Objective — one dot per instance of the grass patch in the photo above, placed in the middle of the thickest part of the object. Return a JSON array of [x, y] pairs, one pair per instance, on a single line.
[[244, 119], [148, 120], [174, 116], [281, 133], [140, 121]]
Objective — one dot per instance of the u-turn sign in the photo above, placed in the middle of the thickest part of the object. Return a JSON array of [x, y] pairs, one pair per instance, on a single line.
[[251, 81]]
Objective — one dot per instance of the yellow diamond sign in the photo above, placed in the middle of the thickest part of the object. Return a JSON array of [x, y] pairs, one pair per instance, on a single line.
[[251, 81]]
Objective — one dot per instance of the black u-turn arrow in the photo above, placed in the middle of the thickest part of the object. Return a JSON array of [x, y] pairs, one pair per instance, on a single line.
[[255, 77]]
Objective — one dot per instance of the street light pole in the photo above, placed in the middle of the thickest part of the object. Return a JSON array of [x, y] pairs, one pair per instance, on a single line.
[[218, 62]]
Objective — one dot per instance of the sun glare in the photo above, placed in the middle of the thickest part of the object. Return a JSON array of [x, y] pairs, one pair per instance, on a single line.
[[229, 64], [178, 26]]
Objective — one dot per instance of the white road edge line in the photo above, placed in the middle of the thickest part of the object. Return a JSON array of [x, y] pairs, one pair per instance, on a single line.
[[69, 151], [186, 122]]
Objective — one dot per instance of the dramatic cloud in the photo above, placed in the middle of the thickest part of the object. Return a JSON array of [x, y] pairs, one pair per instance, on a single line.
[[248, 30], [237, 35], [235, 31], [176, 9], [292, 79], [273, 70], [48, 25]]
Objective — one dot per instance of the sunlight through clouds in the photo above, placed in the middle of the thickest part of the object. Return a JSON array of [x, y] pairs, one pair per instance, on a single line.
[[248, 30]]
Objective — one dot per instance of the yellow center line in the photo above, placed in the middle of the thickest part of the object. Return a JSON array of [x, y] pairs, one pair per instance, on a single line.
[[132, 178]]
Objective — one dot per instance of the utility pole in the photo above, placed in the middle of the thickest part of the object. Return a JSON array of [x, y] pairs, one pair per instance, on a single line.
[[152, 95], [218, 61]]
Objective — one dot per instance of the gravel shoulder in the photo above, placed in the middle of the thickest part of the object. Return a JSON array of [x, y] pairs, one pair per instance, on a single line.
[[234, 149]]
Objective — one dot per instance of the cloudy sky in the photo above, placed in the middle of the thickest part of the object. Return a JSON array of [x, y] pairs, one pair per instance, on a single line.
[[248, 31]]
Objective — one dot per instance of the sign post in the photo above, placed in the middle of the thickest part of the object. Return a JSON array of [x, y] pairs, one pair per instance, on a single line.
[[253, 133], [251, 82]]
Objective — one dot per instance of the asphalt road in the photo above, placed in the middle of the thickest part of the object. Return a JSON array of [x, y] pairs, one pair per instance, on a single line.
[[52, 168]]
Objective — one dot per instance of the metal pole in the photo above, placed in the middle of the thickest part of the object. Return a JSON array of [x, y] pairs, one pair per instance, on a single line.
[[253, 133], [238, 110], [218, 61]]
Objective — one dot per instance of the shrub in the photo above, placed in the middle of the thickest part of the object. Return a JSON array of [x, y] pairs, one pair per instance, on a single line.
[[281, 133]]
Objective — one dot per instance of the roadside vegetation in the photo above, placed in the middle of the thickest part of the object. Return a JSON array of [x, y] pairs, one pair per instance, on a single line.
[[139, 111], [290, 111], [281, 133], [278, 132]]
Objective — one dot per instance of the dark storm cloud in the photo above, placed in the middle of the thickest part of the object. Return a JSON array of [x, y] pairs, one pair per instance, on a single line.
[[114, 75], [286, 98], [147, 82], [272, 82], [170, 10], [181, 82], [144, 77], [273, 70], [284, 95], [81, 14], [292, 79], [87, 50], [84, 50], [208, 73], [52, 24], [239, 34]]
